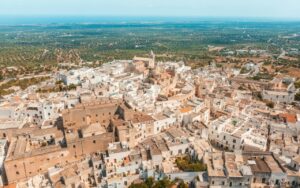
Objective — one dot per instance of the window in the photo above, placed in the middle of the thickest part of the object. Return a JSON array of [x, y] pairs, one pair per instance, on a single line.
[[94, 141], [17, 172], [74, 146]]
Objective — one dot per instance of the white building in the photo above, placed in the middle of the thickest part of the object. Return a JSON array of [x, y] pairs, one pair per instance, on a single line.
[[163, 122], [3, 150]]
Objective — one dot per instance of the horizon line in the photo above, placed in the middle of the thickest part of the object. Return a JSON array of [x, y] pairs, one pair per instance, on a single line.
[[44, 20], [142, 16]]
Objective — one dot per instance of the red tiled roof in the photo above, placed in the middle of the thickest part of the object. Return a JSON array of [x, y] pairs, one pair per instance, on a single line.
[[290, 118], [13, 185]]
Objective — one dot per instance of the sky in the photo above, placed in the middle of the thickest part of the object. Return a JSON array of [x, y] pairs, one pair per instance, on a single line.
[[168, 8]]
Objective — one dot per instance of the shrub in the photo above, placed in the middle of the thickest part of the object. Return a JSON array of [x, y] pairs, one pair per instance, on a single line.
[[270, 104], [297, 97], [297, 84], [188, 165]]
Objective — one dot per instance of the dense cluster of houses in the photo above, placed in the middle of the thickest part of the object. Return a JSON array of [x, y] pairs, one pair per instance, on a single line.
[[130, 120]]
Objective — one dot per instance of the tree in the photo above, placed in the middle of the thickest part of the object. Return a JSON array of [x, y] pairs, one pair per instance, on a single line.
[[149, 182], [72, 87], [188, 165], [270, 104], [259, 96], [58, 82], [138, 185], [297, 84], [297, 97], [234, 122], [182, 185], [164, 183], [241, 88]]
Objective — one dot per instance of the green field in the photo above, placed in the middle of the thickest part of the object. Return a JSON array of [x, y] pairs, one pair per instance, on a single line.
[[35, 45]]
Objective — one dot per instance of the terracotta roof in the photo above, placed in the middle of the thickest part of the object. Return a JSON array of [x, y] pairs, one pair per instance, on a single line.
[[186, 109], [290, 118], [141, 117], [13, 185], [260, 166]]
